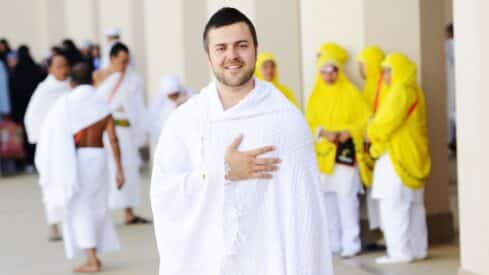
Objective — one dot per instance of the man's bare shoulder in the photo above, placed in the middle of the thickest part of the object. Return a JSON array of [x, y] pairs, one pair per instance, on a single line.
[[100, 76]]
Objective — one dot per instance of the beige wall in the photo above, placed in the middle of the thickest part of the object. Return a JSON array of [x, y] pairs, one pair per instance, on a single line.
[[432, 70], [196, 70], [26, 31], [127, 15], [279, 33], [394, 25], [472, 58], [174, 44], [82, 20], [329, 21]]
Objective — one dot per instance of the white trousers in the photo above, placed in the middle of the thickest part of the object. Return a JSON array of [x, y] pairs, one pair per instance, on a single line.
[[52, 217], [129, 195], [404, 228], [343, 222], [88, 223]]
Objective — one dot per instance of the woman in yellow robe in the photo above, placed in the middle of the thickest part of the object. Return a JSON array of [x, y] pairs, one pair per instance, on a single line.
[[370, 66], [398, 134], [337, 116], [266, 69]]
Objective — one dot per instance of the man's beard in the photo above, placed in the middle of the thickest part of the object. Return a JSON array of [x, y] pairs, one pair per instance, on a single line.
[[247, 75]]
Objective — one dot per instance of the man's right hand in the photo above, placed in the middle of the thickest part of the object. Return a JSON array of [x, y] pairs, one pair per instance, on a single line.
[[119, 180], [246, 165]]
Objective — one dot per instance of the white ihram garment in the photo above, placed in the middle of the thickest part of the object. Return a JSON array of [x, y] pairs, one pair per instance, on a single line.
[[44, 97], [207, 226], [127, 103], [74, 180]]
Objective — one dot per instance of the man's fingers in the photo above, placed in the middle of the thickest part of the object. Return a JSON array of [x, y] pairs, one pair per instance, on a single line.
[[236, 142], [267, 161], [265, 168], [262, 176], [261, 151]]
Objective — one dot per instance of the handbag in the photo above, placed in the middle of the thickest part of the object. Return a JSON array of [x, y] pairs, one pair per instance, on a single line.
[[11, 140]]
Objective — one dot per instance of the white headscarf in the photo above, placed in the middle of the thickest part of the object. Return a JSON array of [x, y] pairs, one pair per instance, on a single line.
[[161, 106]]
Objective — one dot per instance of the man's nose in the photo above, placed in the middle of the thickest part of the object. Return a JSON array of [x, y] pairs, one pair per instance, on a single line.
[[232, 53]]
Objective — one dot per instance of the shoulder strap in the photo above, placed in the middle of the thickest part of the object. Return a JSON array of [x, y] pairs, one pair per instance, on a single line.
[[116, 87], [377, 93]]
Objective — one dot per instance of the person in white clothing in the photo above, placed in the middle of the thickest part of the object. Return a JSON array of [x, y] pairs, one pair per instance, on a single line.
[[72, 167], [45, 96], [171, 94], [399, 140], [122, 89], [221, 204]]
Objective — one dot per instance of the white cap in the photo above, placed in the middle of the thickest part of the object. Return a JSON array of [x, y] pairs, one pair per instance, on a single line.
[[169, 84], [112, 31]]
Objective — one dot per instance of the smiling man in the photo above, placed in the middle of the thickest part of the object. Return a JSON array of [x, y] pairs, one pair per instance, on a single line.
[[221, 204]]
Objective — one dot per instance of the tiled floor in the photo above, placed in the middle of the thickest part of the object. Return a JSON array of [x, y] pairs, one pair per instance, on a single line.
[[25, 251]]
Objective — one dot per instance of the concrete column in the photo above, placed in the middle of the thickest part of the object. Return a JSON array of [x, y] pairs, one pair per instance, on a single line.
[[472, 57], [82, 20], [413, 27], [174, 42], [277, 25], [52, 23]]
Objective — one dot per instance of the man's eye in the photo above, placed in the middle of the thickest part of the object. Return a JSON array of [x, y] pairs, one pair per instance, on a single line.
[[220, 49], [243, 46]]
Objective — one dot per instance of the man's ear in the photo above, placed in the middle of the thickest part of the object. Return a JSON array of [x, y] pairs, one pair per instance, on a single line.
[[208, 58]]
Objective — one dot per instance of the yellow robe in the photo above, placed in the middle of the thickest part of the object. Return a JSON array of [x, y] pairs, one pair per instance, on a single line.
[[399, 126], [337, 107], [373, 93], [371, 58], [264, 57]]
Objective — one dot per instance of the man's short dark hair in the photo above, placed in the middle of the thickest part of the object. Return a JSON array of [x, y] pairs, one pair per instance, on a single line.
[[60, 54], [224, 17], [81, 74], [117, 48]]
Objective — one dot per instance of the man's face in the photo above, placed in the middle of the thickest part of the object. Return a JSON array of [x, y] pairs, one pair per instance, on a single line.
[[329, 74], [268, 70], [59, 68], [120, 61], [2, 47], [387, 75], [232, 54], [361, 67], [12, 62]]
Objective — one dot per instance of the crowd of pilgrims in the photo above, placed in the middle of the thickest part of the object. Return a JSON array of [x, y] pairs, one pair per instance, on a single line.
[[20, 76], [347, 176]]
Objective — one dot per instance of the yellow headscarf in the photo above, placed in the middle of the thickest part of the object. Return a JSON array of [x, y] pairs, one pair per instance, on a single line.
[[371, 58], [399, 126], [261, 59], [340, 54], [337, 107]]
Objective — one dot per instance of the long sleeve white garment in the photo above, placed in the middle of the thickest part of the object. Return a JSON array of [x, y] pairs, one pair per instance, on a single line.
[[130, 98], [56, 154], [44, 97], [126, 103], [205, 225]]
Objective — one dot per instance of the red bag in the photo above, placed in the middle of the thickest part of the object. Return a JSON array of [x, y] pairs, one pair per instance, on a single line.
[[11, 140]]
